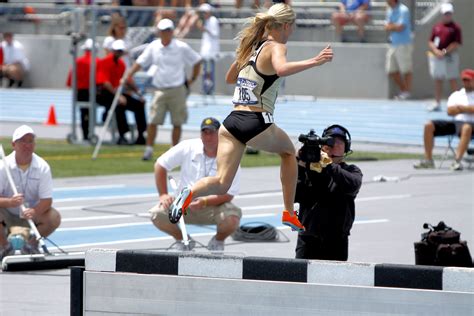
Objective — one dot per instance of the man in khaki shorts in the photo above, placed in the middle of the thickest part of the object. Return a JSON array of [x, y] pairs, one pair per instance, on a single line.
[[399, 60], [32, 176], [197, 159], [166, 59]]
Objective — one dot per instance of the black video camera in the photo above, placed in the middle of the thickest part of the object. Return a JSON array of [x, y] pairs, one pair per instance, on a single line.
[[311, 150]]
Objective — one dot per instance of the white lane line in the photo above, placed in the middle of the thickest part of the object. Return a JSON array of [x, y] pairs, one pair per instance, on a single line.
[[147, 195], [258, 215], [262, 207], [111, 197], [103, 226], [128, 241], [95, 218], [384, 197], [370, 221], [90, 187], [245, 208], [258, 195]]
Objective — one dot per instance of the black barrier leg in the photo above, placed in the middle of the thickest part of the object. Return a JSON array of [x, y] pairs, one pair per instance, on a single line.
[[76, 294]]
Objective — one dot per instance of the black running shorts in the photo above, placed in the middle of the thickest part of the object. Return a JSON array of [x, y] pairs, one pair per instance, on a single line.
[[245, 125]]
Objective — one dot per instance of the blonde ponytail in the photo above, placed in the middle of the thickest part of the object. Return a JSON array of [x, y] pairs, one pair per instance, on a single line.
[[253, 34]]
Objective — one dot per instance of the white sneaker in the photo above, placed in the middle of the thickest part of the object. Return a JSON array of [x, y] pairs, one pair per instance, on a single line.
[[180, 246], [215, 245], [456, 166], [148, 154], [424, 164], [435, 107], [403, 96]]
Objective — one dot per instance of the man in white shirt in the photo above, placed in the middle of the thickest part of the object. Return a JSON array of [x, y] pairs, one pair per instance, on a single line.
[[32, 177], [166, 59], [15, 63], [461, 106], [209, 26], [197, 159]]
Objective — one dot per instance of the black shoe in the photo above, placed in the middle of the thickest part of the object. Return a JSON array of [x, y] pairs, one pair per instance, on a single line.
[[122, 141], [140, 140]]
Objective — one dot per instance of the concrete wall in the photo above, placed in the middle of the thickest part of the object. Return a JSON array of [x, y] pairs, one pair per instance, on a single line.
[[149, 282], [50, 62]]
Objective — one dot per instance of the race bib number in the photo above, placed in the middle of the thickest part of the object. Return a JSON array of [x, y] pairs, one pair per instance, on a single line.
[[268, 117], [243, 93]]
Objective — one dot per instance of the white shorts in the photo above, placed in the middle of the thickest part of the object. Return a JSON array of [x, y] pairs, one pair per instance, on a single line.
[[444, 68], [399, 59]]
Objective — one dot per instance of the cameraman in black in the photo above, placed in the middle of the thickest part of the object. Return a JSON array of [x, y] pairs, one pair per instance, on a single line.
[[326, 190]]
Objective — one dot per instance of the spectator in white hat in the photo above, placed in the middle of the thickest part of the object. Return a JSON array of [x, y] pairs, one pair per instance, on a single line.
[[209, 26], [32, 176], [167, 59], [443, 56]]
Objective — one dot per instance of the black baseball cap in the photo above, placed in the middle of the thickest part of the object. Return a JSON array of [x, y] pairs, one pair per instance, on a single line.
[[210, 123], [335, 131]]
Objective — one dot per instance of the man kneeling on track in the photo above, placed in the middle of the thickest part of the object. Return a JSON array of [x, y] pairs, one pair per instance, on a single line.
[[197, 159], [31, 175]]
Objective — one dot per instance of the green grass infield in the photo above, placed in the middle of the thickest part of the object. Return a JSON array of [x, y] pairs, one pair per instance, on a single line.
[[68, 160]]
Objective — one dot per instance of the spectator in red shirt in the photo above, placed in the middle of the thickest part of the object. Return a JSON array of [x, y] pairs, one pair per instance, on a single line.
[[83, 65], [110, 70], [443, 56]]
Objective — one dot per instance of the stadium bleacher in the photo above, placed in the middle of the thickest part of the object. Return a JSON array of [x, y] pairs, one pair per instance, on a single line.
[[53, 23]]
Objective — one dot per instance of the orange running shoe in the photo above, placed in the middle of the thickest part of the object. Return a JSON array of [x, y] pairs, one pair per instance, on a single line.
[[292, 221], [180, 204]]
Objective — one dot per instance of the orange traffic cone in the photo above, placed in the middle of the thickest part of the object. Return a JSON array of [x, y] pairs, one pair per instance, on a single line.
[[51, 116]]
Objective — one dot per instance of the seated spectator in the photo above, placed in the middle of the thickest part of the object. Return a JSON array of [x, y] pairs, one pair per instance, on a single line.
[[15, 64], [32, 176], [167, 9], [352, 11], [110, 70], [239, 3], [197, 159], [117, 30], [461, 106], [140, 17], [187, 20], [83, 65]]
